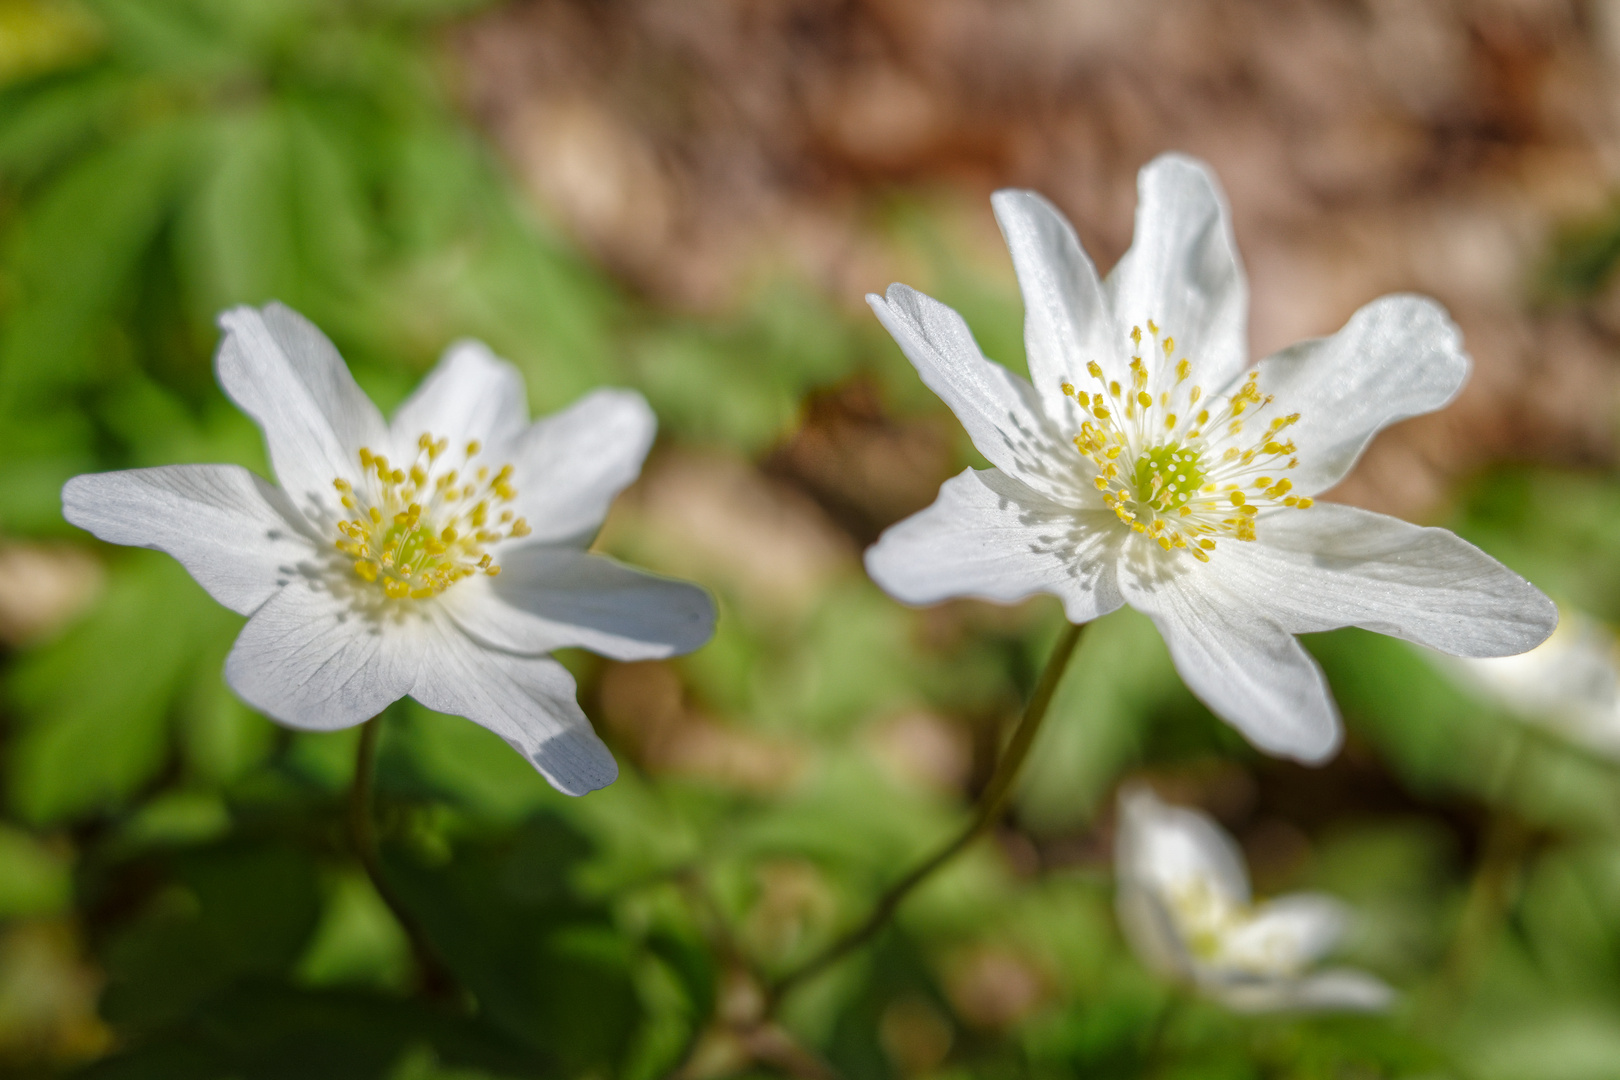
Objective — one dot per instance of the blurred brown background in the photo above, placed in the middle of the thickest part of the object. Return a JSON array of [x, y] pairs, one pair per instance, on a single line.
[[1366, 146]]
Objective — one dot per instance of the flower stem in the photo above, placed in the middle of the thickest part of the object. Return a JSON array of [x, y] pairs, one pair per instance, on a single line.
[[990, 803], [436, 979]]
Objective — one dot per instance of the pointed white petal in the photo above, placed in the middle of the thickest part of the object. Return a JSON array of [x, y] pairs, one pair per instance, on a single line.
[[527, 700], [309, 659], [1333, 566], [1238, 658], [1285, 935], [570, 466], [1067, 319], [1001, 412], [1397, 357], [550, 597], [1182, 271], [285, 374], [1165, 849], [233, 531], [470, 394], [990, 536]]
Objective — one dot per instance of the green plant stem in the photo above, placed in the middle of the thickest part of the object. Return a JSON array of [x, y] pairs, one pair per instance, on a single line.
[[990, 803], [436, 979]]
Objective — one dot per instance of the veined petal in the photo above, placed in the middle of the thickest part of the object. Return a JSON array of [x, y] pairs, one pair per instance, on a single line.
[[1067, 319], [1182, 270], [1001, 412], [571, 465], [1164, 848], [285, 374], [551, 597], [1333, 566], [309, 659], [527, 700], [1285, 935], [1240, 659], [990, 536], [234, 532], [470, 394], [1397, 357]]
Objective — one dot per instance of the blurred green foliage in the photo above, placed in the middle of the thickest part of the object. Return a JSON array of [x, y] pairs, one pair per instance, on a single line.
[[177, 895]]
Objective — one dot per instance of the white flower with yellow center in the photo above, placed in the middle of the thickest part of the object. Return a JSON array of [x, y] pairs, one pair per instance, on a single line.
[[1151, 464], [441, 556], [1183, 899]]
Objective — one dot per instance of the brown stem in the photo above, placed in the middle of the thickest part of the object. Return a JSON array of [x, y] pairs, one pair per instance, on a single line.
[[990, 803], [436, 978]]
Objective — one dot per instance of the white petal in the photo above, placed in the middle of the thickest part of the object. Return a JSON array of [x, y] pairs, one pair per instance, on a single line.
[[1289, 933], [470, 394], [285, 374], [570, 466], [1000, 411], [1343, 988], [1336, 990], [309, 659], [1067, 320], [527, 700], [990, 536], [1238, 658], [551, 597], [1397, 357], [1182, 271], [1151, 930], [1163, 848], [233, 531], [1333, 566]]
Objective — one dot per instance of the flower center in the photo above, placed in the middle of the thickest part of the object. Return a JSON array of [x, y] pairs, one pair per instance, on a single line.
[[417, 531], [1176, 467]]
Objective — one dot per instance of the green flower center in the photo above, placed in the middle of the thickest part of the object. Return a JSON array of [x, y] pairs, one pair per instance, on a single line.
[[1168, 476]]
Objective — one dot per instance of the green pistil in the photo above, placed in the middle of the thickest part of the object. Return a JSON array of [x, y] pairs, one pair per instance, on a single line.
[[1168, 476]]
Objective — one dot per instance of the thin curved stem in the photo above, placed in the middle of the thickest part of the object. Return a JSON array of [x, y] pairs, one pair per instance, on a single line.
[[990, 803], [436, 979]]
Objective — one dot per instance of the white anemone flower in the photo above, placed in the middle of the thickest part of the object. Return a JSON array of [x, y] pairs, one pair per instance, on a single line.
[[1184, 904], [1151, 464], [441, 556], [1568, 685]]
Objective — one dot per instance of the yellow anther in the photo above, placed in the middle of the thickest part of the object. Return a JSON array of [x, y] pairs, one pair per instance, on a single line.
[[1237, 498], [1100, 412], [1136, 335], [1152, 329], [1263, 482], [1083, 398], [1199, 555], [1306, 503], [1274, 448], [1164, 542], [1183, 369], [1114, 452], [1170, 422], [1113, 388], [493, 571], [1101, 482], [1207, 545], [418, 475], [1169, 346], [375, 515], [1068, 389], [520, 528], [473, 447], [1144, 399]]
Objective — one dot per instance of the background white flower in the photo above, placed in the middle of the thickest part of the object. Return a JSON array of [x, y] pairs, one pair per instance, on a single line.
[[1184, 904], [1569, 684], [440, 556], [1150, 465]]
